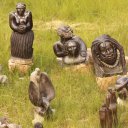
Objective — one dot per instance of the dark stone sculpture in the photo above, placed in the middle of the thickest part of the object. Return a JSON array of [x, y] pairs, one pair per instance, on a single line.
[[38, 125], [4, 123], [108, 56], [70, 48], [41, 92], [22, 37], [108, 112], [122, 90]]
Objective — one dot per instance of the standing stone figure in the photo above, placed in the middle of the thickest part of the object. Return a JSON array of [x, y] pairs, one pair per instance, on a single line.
[[108, 111], [20, 21], [70, 49], [108, 56], [41, 92]]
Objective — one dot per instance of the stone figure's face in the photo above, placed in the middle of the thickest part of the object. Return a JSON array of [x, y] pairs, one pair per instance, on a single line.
[[107, 52], [20, 11], [72, 48]]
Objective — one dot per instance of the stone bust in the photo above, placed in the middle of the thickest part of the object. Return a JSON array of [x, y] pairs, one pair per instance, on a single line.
[[20, 21], [71, 49], [108, 56]]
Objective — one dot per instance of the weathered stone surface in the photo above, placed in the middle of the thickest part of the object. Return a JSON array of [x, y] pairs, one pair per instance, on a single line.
[[22, 65]]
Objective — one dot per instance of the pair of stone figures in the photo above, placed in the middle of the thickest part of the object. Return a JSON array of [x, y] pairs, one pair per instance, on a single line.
[[108, 55]]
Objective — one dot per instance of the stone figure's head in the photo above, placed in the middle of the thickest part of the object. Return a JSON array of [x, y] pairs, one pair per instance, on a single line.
[[121, 83], [38, 125], [105, 49], [65, 32], [72, 48], [20, 7], [122, 87]]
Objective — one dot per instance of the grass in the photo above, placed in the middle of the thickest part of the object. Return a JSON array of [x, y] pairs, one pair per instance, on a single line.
[[78, 97]]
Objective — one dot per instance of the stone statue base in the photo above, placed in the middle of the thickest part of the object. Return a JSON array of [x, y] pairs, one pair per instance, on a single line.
[[105, 82], [22, 65]]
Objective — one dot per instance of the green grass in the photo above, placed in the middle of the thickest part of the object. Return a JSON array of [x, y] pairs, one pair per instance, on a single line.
[[78, 97]]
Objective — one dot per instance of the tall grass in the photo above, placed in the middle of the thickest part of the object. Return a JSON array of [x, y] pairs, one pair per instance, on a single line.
[[78, 97]]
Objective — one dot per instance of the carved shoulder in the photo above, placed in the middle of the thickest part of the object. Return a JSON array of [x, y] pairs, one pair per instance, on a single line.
[[12, 14]]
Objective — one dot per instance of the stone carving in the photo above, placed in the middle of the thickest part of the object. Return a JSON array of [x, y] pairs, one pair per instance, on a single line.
[[22, 37], [41, 92], [38, 125], [108, 112], [108, 56], [4, 123], [122, 90], [70, 49], [3, 78]]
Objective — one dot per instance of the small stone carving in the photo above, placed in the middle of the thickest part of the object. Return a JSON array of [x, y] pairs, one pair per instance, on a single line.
[[38, 125], [4, 123], [41, 92], [108, 111], [70, 49], [108, 56], [122, 90], [22, 37], [3, 78]]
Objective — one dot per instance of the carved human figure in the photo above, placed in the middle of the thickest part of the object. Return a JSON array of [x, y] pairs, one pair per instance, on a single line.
[[122, 90], [71, 49], [108, 56], [22, 37], [41, 92]]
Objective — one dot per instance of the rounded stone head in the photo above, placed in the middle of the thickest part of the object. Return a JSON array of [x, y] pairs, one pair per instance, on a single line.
[[72, 48], [20, 7], [38, 125], [107, 50], [121, 83], [65, 31]]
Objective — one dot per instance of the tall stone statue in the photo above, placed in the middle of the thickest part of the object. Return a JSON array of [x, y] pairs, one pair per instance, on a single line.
[[70, 49], [20, 21], [108, 56], [41, 93]]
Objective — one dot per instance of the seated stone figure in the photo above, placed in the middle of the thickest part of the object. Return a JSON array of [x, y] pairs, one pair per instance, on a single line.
[[108, 56], [71, 49]]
